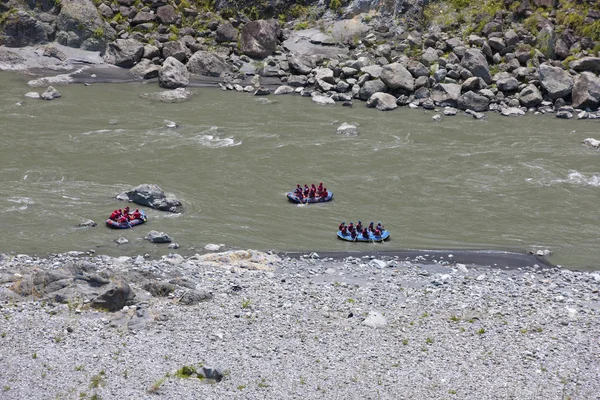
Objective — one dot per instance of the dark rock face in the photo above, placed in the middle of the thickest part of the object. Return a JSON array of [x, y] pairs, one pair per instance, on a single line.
[[259, 38], [114, 296], [79, 23], [530, 96], [590, 64], [21, 29]]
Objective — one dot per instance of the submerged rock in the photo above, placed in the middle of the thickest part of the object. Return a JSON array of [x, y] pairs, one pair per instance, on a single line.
[[158, 237], [347, 129]]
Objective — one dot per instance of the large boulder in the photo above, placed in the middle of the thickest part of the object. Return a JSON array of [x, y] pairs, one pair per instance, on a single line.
[[445, 94], [382, 101], [173, 74], [586, 91], [530, 96], [259, 38], [396, 76], [124, 52], [557, 82], [21, 29], [169, 96], [79, 24], [151, 195], [206, 63], [476, 63], [300, 65], [473, 101], [371, 87], [591, 64]]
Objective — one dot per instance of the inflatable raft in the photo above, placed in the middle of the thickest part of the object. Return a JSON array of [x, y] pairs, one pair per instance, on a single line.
[[116, 225], [372, 238], [322, 199]]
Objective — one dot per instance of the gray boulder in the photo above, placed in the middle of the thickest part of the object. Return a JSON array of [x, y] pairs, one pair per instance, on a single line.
[[512, 112], [167, 14], [87, 223], [429, 57], [176, 49], [207, 63], [158, 237], [284, 89], [445, 94], [145, 69], [325, 74], [143, 17], [417, 69], [151, 195], [382, 101], [591, 64], [473, 101], [259, 38], [124, 52], [226, 32], [371, 87], [173, 74], [586, 91], [530, 96], [50, 94], [476, 63], [473, 84], [395, 76], [507, 83], [300, 65], [113, 297], [557, 82]]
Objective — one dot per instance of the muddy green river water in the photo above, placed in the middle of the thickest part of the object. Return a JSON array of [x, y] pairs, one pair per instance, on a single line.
[[510, 184]]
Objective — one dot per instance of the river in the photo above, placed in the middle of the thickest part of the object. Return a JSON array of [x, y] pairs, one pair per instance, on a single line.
[[510, 184]]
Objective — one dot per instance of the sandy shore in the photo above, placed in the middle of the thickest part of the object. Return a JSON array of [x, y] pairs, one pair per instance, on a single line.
[[274, 327]]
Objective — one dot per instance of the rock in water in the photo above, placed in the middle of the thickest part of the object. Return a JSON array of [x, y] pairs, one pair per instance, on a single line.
[[152, 196], [158, 237], [171, 124], [50, 94], [347, 129]]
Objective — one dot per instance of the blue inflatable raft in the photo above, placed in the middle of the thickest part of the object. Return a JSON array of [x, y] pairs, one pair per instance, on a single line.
[[116, 225], [323, 199], [359, 238]]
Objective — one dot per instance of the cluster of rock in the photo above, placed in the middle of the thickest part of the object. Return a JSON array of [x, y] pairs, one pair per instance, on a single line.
[[369, 58]]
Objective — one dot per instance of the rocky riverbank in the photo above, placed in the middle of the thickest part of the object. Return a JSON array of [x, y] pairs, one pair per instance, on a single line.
[[246, 324], [508, 56]]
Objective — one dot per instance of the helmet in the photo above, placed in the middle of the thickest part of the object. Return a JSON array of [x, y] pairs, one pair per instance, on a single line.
[[359, 221]]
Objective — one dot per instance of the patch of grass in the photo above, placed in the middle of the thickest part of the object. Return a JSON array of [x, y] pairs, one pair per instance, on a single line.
[[241, 387], [79, 368], [263, 384], [429, 340], [186, 372], [157, 384], [98, 33], [246, 303], [405, 342], [454, 318], [301, 25], [34, 356], [351, 301], [451, 391], [481, 331], [6, 15], [6, 388], [97, 380]]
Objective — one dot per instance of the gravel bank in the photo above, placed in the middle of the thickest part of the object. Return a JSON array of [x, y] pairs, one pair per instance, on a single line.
[[312, 328]]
